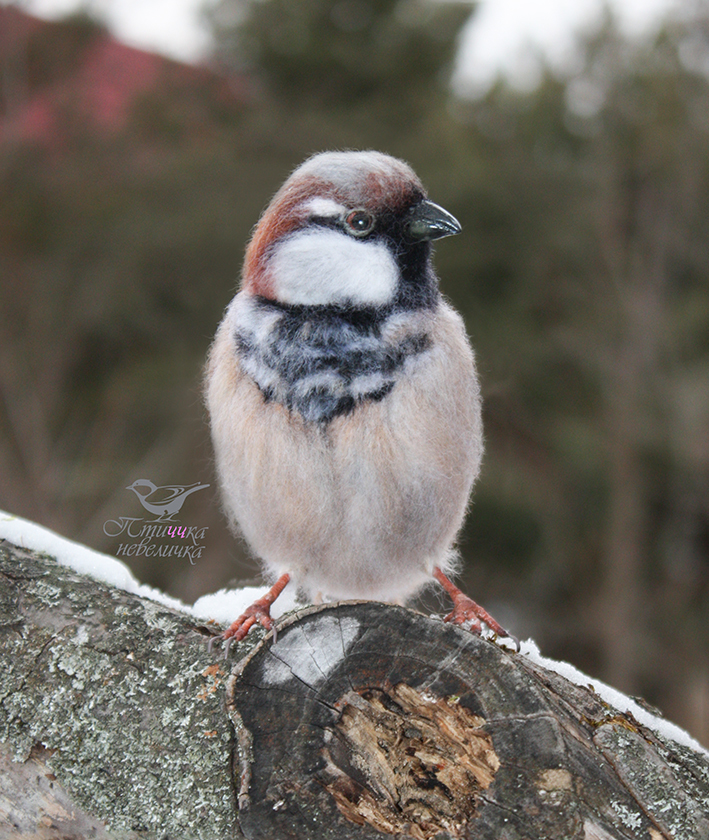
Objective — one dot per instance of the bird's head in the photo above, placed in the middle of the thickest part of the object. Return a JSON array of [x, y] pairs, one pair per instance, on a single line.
[[348, 229], [142, 486]]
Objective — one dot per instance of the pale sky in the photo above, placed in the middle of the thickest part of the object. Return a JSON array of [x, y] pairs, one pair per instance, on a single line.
[[503, 35]]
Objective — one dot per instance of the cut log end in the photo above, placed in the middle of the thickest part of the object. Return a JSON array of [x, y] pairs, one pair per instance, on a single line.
[[366, 720]]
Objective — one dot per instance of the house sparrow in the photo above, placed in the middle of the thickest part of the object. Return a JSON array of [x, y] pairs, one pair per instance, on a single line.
[[342, 393]]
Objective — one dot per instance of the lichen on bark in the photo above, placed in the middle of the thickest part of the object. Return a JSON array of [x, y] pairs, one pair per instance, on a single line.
[[122, 698]]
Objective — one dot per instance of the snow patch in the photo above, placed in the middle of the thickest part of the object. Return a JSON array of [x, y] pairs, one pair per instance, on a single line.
[[85, 561], [613, 697], [223, 606], [310, 658], [227, 605]]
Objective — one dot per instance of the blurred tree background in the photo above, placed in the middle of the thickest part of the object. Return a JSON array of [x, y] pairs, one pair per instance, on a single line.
[[582, 273]]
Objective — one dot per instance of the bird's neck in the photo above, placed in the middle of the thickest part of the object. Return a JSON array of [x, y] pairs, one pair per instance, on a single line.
[[325, 361]]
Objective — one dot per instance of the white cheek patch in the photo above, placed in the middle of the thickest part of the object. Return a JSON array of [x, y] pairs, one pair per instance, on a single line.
[[320, 267]]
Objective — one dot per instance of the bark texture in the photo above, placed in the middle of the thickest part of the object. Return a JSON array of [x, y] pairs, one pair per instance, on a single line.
[[363, 721], [111, 708]]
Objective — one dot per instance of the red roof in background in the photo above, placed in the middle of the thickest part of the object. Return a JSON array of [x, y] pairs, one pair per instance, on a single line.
[[111, 76], [100, 87], [15, 23]]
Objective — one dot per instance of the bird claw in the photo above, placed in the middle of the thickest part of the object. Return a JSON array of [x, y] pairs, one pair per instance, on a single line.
[[466, 612], [259, 611]]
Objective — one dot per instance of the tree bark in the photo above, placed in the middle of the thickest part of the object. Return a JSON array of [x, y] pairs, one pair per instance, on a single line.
[[363, 720]]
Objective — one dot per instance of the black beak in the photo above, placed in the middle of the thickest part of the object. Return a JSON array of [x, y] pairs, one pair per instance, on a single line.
[[428, 221]]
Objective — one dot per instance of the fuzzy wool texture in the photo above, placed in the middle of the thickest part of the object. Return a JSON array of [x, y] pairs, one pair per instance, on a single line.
[[348, 179], [361, 176], [322, 364], [320, 268], [341, 387], [366, 506]]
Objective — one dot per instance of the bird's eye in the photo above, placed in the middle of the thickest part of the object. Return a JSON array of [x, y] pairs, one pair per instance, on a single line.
[[359, 222]]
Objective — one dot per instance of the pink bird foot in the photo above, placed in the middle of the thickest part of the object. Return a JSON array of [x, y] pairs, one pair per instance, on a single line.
[[466, 611], [259, 611]]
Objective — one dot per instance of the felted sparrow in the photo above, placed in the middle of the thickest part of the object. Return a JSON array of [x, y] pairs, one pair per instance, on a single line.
[[343, 398]]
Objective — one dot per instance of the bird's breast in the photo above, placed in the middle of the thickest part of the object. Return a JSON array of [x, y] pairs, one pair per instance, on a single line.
[[323, 362], [374, 494]]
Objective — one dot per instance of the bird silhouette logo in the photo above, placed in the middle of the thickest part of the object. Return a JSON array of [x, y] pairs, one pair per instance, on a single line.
[[166, 501]]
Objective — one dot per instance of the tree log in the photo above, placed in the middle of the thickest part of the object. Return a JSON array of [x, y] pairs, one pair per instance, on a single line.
[[362, 721]]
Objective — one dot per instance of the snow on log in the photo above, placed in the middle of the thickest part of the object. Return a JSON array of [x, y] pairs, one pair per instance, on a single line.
[[363, 721]]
